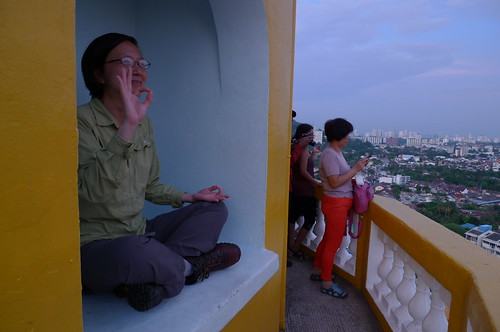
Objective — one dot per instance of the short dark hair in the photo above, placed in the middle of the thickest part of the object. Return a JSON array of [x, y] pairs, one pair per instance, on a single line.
[[94, 57], [302, 129], [337, 129]]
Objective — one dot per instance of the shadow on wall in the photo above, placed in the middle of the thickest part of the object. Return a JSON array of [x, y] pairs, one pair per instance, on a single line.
[[210, 78]]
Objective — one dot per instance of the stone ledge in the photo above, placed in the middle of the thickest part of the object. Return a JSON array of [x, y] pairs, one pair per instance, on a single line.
[[204, 307]]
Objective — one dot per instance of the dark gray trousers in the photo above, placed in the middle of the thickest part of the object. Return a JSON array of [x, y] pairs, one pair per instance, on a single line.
[[157, 256]]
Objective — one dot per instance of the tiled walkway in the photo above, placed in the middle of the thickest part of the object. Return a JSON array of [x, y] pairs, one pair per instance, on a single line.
[[309, 310]]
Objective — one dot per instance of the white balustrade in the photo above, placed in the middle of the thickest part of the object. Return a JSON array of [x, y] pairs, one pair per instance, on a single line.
[[381, 289], [350, 265], [409, 298], [436, 321], [310, 235], [298, 223], [420, 304], [319, 228], [404, 293], [309, 238], [343, 255], [394, 278]]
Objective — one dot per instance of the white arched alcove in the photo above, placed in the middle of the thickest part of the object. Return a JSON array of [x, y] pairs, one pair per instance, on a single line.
[[210, 82], [210, 78]]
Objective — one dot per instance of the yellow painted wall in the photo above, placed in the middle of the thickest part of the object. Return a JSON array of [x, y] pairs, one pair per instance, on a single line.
[[263, 311], [39, 236], [281, 27], [39, 241]]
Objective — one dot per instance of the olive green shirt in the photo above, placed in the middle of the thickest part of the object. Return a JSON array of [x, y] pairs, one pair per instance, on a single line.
[[116, 176]]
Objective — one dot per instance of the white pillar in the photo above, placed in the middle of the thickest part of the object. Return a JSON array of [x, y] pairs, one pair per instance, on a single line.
[[436, 321], [384, 268], [405, 292], [394, 278]]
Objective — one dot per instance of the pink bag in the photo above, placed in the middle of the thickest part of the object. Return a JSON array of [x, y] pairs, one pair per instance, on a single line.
[[354, 225], [362, 195]]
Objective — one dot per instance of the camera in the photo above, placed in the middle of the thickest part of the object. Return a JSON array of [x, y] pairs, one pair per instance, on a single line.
[[310, 143]]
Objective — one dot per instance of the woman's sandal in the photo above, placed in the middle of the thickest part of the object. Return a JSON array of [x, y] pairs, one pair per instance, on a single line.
[[297, 255], [334, 291], [317, 277]]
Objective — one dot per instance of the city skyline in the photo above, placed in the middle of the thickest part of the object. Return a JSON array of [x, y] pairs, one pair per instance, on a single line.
[[411, 133], [429, 64]]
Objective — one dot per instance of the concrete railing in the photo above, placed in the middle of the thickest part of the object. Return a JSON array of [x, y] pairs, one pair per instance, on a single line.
[[415, 274]]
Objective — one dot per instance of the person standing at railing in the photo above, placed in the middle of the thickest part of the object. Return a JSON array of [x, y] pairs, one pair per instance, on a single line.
[[302, 201], [336, 176]]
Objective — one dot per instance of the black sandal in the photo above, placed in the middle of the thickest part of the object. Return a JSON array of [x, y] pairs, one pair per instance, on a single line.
[[297, 255], [317, 277], [334, 291]]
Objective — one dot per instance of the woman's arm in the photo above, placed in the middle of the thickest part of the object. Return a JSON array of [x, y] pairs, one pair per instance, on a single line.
[[297, 150], [298, 147], [304, 159], [337, 180]]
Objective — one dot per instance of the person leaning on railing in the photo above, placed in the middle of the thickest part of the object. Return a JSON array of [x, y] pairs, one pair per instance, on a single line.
[[143, 260], [336, 177], [302, 201]]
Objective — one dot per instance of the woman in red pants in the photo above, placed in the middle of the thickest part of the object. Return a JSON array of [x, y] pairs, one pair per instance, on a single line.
[[336, 178]]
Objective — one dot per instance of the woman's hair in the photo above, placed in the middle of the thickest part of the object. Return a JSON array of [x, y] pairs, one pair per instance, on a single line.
[[302, 129], [337, 129], [94, 57]]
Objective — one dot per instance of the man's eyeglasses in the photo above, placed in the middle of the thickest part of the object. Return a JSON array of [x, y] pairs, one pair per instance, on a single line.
[[129, 62]]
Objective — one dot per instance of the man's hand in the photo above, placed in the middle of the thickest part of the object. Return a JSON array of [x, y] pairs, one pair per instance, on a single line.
[[134, 109], [212, 194]]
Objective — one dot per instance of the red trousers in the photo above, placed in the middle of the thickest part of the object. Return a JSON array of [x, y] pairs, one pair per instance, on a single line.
[[335, 211]]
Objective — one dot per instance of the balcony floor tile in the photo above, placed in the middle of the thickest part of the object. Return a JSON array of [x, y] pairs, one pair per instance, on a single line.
[[307, 309]]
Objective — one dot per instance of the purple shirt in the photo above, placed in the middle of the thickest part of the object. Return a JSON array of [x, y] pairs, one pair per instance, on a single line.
[[333, 163]]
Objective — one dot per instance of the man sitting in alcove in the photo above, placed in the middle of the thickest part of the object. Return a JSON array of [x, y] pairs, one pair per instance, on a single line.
[[144, 260]]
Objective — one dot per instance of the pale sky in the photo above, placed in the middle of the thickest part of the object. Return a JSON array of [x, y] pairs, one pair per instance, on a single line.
[[427, 66]]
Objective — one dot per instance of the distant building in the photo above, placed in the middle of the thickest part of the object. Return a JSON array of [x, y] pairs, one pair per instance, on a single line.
[[318, 136], [473, 235], [485, 237], [395, 141], [468, 225], [385, 179], [396, 179], [496, 166], [491, 242], [376, 132], [413, 141], [375, 140], [401, 179], [407, 157]]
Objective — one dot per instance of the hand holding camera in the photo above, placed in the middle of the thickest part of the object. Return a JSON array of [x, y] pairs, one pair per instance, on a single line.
[[317, 149], [307, 139]]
